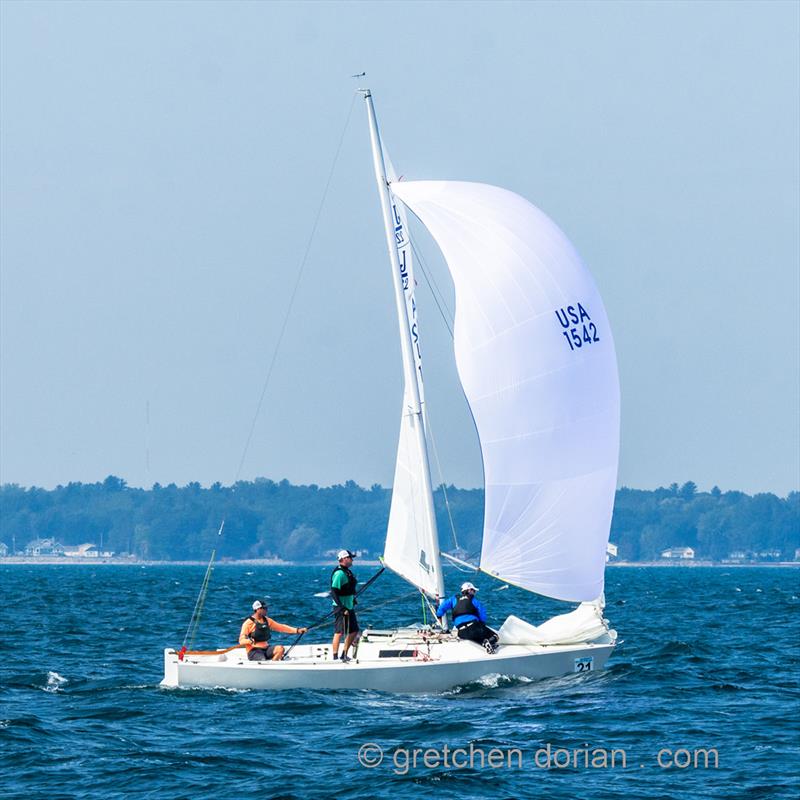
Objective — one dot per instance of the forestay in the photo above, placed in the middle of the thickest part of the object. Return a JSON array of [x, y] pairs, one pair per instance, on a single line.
[[536, 359]]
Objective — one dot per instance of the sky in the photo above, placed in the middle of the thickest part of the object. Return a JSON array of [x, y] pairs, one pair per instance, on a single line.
[[162, 166]]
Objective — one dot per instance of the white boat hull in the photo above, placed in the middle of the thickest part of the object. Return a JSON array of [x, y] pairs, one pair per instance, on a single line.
[[390, 661]]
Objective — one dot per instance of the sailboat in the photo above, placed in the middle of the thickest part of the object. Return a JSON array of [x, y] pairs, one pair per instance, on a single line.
[[536, 360]]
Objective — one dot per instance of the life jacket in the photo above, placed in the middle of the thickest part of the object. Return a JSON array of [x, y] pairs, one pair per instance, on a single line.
[[261, 633], [464, 606], [350, 587]]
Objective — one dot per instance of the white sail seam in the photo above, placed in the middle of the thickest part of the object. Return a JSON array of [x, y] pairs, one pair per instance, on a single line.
[[533, 434]]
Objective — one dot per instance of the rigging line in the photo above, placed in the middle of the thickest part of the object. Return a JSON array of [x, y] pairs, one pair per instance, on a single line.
[[321, 620], [194, 621], [294, 290], [431, 608], [445, 317], [429, 427], [461, 568], [188, 639], [431, 277], [443, 485], [463, 565], [202, 599], [428, 279], [413, 593], [324, 622]]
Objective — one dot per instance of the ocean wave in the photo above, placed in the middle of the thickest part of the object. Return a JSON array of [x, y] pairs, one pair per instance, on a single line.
[[206, 689], [492, 681], [55, 682]]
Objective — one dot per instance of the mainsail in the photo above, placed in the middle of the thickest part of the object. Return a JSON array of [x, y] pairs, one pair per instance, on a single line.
[[536, 359]]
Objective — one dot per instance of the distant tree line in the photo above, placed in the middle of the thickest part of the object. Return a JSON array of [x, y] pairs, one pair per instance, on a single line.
[[264, 518], [715, 524]]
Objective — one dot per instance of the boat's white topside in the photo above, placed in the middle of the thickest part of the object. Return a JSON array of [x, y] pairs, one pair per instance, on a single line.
[[404, 660]]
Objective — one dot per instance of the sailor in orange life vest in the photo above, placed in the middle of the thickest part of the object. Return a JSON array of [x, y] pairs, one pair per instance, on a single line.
[[255, 634], [469, 617]]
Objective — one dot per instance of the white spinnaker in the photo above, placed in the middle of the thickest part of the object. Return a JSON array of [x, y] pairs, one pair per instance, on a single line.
[[412, 543], [536, 359]]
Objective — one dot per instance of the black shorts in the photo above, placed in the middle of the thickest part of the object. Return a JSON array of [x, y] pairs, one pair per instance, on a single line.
[[476, 631], [261, 653], [345, 623]]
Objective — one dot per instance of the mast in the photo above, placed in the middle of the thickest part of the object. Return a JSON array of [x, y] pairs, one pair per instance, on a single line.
[[406, 343]]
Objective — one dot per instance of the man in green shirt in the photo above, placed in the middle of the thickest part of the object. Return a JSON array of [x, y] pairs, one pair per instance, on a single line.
[[343, 591]]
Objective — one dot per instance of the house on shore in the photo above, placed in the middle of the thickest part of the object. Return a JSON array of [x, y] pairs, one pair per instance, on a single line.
[[333, 553], [678, 553], [44, 547], [82, 551]]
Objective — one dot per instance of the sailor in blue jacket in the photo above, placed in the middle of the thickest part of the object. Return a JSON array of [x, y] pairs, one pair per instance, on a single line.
[[469, 617]]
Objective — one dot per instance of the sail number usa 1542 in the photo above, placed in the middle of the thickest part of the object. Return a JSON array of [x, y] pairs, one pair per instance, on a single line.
[[578, 325]]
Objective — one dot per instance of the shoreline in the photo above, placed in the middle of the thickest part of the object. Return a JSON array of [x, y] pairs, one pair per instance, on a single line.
[[51, 561], [714, 564], [69, 561]]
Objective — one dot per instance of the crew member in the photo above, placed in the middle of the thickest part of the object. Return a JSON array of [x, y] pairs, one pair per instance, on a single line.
[[469, 617], [343, 590], [256, 631]]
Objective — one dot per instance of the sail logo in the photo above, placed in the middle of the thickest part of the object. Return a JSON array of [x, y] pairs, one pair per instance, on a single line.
[[403, 269], [407, 281], [579, 328], [423, 562], [399, 228], [400, 242]]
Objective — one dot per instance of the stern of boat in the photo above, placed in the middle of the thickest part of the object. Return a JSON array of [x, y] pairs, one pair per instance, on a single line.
[[170, 668]]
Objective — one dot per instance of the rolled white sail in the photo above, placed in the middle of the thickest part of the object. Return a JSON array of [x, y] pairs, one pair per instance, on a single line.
[[412, 544], [536, 359]]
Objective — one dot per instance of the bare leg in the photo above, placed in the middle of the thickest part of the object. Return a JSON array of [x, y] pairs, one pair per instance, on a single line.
[[277, 655], [337, 637], [348, 642]]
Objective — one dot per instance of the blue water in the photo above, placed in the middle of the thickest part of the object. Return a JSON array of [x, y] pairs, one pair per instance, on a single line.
[[709, 659]]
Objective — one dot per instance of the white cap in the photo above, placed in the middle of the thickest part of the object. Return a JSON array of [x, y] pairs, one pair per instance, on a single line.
[[344, 554], [259, 604], [468, 586]]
